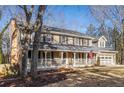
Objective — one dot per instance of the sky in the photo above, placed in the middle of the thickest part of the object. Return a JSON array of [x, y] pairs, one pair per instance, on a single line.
[[68, 17]]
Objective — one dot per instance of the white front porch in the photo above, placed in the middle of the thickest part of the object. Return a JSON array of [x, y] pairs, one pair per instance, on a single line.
[[54, 59]]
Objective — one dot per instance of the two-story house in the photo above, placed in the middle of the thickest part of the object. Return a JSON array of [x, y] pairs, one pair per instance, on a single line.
[[62, 47]]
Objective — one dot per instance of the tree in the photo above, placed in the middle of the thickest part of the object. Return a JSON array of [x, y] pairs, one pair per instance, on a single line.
[[114, 15], [91, 30], [26, 37], [0, 14], [6, 47], [1, 41], [36, 43], [30, 28]]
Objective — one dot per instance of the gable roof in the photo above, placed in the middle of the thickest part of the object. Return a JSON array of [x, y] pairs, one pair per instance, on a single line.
[[97, 38], [65, 32], [103, 38]]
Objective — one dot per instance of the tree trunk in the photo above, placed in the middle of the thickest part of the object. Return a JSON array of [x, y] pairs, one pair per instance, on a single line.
[[34, 59], [23, 66], [36, 42], [122, 56], [35, 53]]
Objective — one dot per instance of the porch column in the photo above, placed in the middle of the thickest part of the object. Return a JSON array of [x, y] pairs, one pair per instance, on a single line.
[[61, 57], [96, 58], [81, 57], [66, 59], [86, 59], [45, 58], [114, 59], [74, 59]]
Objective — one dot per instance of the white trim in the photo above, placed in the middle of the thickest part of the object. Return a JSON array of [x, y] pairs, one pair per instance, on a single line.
[[66, 34], [63, 50], [103, 38], [106, 51]]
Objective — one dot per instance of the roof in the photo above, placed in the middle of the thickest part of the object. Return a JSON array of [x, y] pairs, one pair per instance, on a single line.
[[65, 31], [95, 40]]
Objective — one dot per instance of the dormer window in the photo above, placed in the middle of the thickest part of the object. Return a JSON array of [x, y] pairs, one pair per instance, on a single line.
[[102, 44]]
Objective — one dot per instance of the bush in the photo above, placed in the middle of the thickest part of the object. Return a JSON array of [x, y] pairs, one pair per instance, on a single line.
[[9, 69]]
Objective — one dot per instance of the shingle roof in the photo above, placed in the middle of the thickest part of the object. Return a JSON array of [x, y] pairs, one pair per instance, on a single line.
[[66, 31], [72, 48]]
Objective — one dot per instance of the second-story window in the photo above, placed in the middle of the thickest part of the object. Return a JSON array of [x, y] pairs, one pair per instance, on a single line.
[[48, 38], [63, 39], [85, 42], [42, 38], [70, 40], [77, 41], [80, 42]]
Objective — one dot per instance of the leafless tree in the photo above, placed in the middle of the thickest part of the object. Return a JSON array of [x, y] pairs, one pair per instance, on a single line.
[[113, 14], [6, 47], [36, 43]]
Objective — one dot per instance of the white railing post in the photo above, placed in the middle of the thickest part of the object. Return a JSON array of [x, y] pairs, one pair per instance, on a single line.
[[45, 58], [86, 59], [61, 57], [74, 59], [66, 59], [96, 58]]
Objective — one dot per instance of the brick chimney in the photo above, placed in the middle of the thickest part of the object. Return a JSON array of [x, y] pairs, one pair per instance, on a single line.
[[15, 45], [13, 25]]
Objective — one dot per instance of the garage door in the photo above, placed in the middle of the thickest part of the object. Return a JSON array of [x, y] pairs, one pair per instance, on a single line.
[[106, 60]]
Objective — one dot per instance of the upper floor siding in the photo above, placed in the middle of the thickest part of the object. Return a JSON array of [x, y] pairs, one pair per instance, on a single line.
[[69, 39], [64, 39]]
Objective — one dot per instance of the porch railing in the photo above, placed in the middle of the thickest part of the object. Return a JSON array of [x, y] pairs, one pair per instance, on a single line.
[[42, 63], [79, 62], [58, 62]]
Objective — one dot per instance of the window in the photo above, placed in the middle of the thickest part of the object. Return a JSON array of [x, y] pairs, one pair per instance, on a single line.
[[109, 57], [77, 55], [106, 57], [101, 57], [48, 38], [63, 39], [48, 55], [80, 42], [29, 54], [39, 54], [102, 44], [85, 42], [76, 41], [70, 40], [42, 38], [84, 55]]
